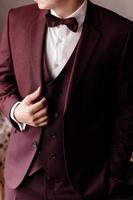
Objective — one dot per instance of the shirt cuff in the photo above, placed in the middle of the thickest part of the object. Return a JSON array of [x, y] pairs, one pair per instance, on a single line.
[[22, 126]]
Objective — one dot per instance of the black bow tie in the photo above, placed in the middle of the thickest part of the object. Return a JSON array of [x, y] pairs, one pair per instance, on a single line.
[[53, 21]]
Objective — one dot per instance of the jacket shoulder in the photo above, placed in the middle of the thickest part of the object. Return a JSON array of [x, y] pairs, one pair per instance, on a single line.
[[112, 19], [26, 10], [24, 14], [21, 17]]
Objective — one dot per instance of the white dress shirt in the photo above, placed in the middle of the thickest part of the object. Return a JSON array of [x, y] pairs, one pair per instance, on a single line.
[[60, 44]]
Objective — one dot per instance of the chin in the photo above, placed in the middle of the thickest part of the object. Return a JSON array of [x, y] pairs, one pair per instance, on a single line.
[[41, 6]]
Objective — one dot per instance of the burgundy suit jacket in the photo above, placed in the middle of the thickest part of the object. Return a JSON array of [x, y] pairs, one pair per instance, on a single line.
[[98, 107]]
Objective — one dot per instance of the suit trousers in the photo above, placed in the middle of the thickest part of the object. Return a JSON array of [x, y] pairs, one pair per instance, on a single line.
[[39, 186]]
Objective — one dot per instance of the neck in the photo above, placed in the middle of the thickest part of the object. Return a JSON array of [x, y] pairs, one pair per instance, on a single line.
[[64, 10]]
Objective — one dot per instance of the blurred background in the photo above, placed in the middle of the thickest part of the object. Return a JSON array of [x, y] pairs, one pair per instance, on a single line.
[[5, 5], [122, 7]]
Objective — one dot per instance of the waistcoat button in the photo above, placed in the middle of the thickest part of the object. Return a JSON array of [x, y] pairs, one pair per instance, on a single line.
[[49, 178], [53, 156], [53, 135], [56, 65], [39, 152], [56, 114]]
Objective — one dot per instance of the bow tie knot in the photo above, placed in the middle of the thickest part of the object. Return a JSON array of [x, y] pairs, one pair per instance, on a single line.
[[53, 21]]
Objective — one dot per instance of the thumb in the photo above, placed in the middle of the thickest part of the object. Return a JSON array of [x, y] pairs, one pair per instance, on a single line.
[[33, 96]]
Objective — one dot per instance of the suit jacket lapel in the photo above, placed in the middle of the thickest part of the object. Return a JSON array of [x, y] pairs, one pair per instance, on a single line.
[[37, 33], [87, 44]]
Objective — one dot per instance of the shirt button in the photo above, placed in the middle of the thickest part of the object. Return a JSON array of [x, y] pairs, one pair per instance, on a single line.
[[56, 65], [60, 41], [35, 144]]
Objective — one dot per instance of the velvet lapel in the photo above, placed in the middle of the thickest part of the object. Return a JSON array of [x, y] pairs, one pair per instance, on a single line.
[[89, 39], [37, 33]]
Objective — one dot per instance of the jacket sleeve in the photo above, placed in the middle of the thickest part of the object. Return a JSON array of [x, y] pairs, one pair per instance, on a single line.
[[8, 88], [123, 120]]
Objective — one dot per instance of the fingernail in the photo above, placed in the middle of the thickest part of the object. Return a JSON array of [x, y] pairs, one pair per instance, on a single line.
[[38, 89], [43, 99]]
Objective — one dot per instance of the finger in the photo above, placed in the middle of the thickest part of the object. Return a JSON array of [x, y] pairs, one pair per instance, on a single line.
[[41, 121], [43, 124], [41, 113], [39, 105], [33, 96]]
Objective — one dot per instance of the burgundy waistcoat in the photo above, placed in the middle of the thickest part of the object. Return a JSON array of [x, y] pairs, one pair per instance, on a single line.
[[50, 154]]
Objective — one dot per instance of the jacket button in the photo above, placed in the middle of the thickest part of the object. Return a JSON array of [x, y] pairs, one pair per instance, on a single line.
[[35, 144]]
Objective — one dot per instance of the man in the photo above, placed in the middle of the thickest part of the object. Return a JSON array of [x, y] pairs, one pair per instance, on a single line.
[[66, 80]]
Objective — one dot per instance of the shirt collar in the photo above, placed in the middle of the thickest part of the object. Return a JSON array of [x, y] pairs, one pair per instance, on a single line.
[[79, 14]]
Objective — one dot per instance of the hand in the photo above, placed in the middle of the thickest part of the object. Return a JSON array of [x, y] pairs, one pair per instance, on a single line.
[[31, 111]]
